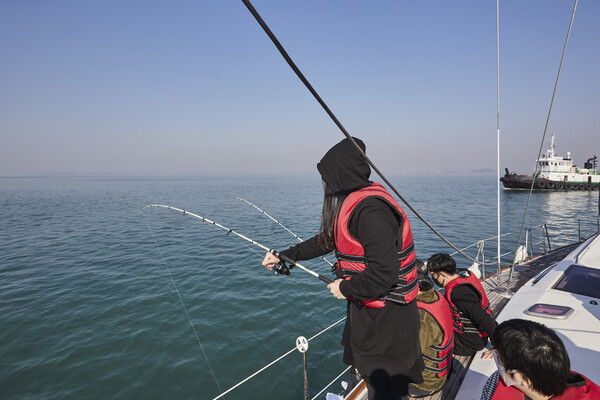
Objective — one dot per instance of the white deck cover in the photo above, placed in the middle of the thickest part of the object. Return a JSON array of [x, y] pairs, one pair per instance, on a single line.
[[580, 332]]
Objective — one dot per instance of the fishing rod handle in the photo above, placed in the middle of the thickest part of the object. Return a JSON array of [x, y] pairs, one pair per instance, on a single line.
[[324, 279], [294, 263]]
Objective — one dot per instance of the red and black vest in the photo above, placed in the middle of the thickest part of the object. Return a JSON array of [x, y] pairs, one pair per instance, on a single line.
[[587, 391], [441, 361], [351, 255], [462, 323]]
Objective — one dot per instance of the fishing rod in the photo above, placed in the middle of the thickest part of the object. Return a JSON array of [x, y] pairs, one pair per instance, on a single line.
[[280, 268], [280, 224], [301, 76]]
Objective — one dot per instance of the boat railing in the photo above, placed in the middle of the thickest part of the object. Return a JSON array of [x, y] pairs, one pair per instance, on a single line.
[[291, 351], [537, 242]]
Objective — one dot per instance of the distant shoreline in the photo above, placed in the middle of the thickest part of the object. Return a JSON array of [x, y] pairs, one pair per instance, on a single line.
[[485, 172]]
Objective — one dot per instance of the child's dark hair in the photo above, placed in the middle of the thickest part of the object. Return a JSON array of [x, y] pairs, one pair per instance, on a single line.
[[441, 262], [536, 352]]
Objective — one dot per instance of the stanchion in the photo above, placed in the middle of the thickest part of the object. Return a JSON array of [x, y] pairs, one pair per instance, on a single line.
[[302, 346]]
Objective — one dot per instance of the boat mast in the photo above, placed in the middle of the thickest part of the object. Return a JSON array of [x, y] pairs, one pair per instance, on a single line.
[[502, 291], [498, 122]]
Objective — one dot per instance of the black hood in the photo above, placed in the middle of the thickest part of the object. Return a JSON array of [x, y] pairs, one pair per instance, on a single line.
[[344, 169]]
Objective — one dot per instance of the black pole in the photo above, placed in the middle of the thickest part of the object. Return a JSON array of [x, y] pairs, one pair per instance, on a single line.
[[306, 395], [547, 237], [306, 83]]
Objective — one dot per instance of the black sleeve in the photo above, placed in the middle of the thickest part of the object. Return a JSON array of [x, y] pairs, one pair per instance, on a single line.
[[376, 226], [469, 302], [306, 250]]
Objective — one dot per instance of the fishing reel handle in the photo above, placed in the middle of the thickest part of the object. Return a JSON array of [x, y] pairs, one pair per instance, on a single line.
[[293, 264]]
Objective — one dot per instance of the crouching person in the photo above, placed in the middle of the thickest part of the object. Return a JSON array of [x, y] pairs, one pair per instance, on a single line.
[[472, 317], [533, 364], [436, 336]]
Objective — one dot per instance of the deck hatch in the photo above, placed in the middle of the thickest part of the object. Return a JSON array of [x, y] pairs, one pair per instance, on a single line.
[[578, 279], [549, 311]]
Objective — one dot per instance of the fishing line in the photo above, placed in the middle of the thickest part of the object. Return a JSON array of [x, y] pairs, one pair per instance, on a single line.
[[274, 252], [182, 303], [279, 223], [291, 63]]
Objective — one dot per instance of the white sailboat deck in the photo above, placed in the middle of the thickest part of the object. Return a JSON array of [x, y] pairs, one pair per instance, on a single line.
[[522, 274]]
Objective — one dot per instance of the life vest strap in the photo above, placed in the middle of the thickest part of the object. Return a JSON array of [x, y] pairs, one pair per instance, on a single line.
[[407, 268], [399, 297], [434, 369], [442, 348], [436, 359], [406, 251], [350, 258]]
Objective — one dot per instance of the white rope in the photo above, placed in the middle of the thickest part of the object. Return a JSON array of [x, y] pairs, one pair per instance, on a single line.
[[273, 362], [254, 374], [326, 329], [331, 383]]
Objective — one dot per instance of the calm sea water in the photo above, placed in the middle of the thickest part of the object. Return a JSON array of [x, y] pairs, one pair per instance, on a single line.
[[88, 308]]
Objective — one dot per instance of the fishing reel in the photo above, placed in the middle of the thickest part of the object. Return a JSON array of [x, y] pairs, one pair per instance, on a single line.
[[281, 269]]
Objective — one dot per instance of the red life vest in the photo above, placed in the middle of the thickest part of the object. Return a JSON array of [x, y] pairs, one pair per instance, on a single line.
[[351, 255], [588, 391], [440, 311], [462, 323]]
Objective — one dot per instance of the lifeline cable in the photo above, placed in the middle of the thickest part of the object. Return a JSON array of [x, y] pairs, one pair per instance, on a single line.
[[274, 361], [280, 224], [274, 252], [338, 123]]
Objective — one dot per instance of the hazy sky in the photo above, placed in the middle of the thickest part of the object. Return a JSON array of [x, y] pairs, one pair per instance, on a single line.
[[193, 87]]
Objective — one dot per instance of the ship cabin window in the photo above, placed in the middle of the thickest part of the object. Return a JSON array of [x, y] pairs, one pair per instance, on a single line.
[[581, 280]]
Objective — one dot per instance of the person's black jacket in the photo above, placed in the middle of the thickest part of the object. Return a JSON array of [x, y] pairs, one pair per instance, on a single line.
[[375, 340]]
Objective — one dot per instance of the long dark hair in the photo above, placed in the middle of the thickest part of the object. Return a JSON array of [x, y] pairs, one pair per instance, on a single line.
[[331, 207]]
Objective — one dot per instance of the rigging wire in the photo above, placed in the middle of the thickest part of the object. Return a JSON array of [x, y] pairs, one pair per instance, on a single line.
[[543, 137], [338, 123], [182, 303]]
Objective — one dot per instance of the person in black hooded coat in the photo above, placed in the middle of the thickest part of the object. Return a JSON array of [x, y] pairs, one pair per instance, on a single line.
[[382, 343]]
